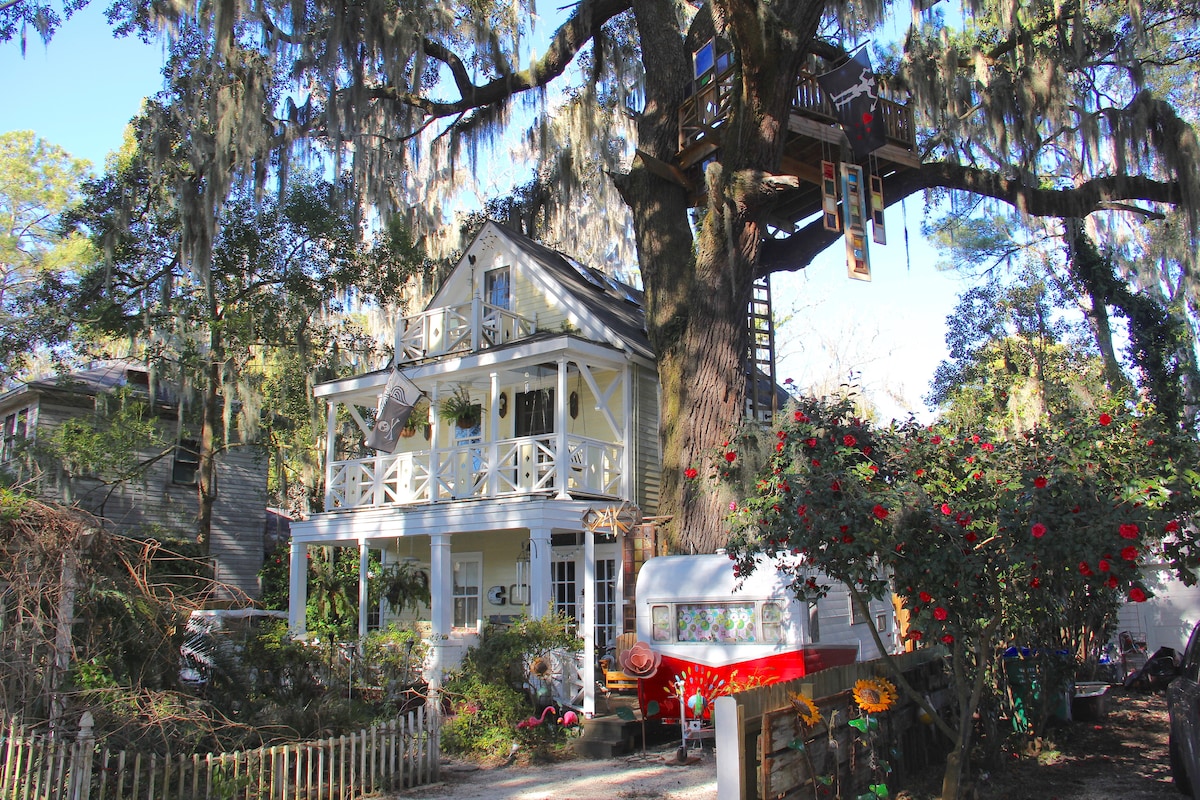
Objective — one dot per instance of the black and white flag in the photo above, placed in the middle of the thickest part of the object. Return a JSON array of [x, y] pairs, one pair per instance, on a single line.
[[854, 92], [395, 406]]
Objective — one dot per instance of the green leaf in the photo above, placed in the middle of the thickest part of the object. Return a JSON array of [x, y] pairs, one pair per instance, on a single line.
[[651, 708], [796, 744], [879, 789], [859, 725], [825, 780], [625, 713]]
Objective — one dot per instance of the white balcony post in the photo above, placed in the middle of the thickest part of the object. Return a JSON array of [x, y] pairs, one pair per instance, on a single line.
[[330, 450], [627, 433], [476, 323], [441, 603], [364, 563], [435, 429], [589, 623], [297, 588], [539, 572], [493, 434], [562, 456]]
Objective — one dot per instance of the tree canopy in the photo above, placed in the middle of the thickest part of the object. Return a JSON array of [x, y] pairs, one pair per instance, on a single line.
[[1059, 110]]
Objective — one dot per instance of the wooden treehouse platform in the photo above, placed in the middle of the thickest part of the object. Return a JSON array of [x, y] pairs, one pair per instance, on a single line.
[[813, 136]]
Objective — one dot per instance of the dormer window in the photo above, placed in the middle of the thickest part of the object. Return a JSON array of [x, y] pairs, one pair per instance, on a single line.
[[497, 288]]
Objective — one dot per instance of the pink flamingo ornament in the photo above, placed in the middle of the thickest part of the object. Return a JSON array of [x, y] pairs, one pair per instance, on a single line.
[[533, 722], [568, 719]]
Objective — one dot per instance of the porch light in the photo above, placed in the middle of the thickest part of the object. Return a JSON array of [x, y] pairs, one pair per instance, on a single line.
[[523, 565]]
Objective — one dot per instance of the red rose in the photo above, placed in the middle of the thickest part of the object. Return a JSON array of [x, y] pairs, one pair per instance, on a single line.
[[1111, 582], [946, 509], [1035, 583], [971, 537], [1104, 565], [948, 639], [940, 614], [730, 456], [1040, 482], [1105, 419], [1129, 531], [849, 440], [1171, 526], [915, 635], [987, 447], [925, 597], [920, 472], [1038, 530], [800, 416], [936, 440], [879, 511], [836, 486], [811, 442], [690, 473], [1084, 569], [1137, 595], [1129, 553], [847, 539]]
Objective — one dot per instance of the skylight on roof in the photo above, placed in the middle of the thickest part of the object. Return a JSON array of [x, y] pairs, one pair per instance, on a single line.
[[587, 274]]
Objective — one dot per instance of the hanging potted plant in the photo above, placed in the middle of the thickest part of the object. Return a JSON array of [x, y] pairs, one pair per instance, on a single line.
[[416, 419], [460, 409]]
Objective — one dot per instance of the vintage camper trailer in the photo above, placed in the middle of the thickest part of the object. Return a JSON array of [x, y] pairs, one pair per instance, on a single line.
[[715, 632]]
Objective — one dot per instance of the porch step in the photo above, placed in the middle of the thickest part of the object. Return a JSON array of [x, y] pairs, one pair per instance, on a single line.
[[609, 736]]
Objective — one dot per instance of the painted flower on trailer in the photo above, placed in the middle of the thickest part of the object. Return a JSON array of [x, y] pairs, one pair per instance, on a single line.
[[806, 709], [874, 695]]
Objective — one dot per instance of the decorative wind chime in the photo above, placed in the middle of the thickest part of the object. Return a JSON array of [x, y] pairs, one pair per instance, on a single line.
[[854, 92]]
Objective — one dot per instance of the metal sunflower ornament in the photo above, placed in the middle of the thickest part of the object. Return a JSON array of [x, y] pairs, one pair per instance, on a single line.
[[806, 709], [874, 695]]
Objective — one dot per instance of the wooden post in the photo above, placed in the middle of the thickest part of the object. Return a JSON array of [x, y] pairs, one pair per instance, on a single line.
[[731, 749]]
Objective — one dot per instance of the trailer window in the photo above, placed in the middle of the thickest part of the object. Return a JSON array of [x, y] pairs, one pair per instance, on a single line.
[[772, 622], [715, 622], [660, 623]]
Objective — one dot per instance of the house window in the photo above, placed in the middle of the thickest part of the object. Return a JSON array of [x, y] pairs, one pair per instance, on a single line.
[[535, 412], [562, 584], [814, 622], [856, 614], [468, 580], [16, 432], [497, 287], [187, 462]]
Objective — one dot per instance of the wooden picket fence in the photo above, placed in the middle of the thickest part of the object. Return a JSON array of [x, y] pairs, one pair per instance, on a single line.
[[402, 753]]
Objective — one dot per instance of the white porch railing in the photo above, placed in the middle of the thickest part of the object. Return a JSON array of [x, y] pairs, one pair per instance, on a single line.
[[525, 465], [468, 327]]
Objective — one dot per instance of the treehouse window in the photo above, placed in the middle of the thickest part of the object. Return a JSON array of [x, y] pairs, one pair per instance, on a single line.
[[16, 431]]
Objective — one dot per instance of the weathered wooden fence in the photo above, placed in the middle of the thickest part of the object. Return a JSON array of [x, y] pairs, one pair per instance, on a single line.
[[399, 754], [757, 730]]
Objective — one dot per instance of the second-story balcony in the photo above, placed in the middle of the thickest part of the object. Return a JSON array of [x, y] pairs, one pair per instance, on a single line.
[[465, 328], [546, 464]]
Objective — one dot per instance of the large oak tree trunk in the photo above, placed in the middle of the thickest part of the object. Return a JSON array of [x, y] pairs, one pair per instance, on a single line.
[[699, 290]]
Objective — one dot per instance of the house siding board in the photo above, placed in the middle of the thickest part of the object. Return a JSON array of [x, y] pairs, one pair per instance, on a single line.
[[154, 503], [647, 486]]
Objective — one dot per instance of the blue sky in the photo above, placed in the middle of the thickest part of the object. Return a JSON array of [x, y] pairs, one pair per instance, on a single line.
[[81, 90]]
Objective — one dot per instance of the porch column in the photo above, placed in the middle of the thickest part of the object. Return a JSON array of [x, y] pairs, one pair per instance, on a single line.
[[297, 588], [441, 604], [588, 623], [628, 433], [364, 563], [540, 595], [562, 461]]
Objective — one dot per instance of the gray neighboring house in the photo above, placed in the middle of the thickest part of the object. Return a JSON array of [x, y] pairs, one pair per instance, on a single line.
[[163, 497]]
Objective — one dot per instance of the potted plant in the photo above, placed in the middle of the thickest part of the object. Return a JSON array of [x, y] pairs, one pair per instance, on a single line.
[[460, 409], [418, 417]]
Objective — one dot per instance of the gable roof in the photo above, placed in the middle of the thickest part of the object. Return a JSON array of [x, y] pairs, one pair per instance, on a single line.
[[100, 378], [612, 305]]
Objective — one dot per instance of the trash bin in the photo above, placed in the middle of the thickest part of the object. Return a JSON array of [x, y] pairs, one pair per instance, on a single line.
[[1031, 698]]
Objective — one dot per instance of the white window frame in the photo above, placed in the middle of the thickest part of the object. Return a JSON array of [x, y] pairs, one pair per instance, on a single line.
[[471, 626]]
